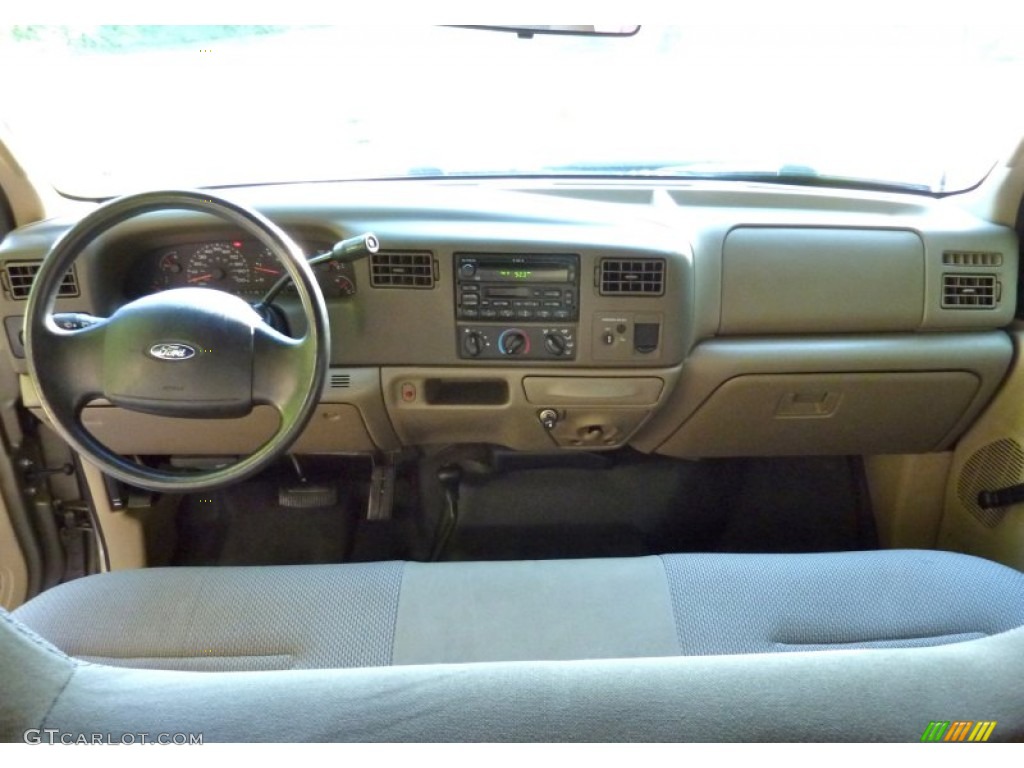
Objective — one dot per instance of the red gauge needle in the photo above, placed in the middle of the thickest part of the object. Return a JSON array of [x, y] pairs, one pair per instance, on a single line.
[[200, 278], [268, 270]]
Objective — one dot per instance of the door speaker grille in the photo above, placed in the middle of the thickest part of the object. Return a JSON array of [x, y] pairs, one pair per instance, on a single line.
[[997, 465]]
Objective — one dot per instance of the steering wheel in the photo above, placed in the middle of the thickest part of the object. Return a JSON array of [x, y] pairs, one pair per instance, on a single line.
[[183, 353]]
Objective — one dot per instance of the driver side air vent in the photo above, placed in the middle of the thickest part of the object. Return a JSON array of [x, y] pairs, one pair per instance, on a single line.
[[19, 275], [402, 269], [963, 291], [632, 277]]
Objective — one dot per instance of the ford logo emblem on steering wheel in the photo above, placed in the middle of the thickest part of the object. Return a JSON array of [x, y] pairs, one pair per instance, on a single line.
[[170, 351]]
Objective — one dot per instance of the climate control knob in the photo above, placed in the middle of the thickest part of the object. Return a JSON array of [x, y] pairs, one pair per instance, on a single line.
[[555, 343], [514, 342], [473, 344]]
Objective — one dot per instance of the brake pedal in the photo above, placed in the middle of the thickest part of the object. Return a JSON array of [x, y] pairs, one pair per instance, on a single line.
[[306, 495]]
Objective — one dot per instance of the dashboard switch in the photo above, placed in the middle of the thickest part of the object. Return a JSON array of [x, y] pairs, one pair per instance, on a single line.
[[473, 343], [549, 418], [514, 342], [555, 343]]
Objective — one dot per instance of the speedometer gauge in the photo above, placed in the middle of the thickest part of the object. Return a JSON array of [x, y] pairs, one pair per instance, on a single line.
[[219, 265]]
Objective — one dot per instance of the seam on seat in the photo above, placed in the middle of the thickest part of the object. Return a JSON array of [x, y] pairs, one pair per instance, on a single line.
[[32, 637], [187, 656], [894, 643], [394, 615], [672, 605], [76, 665]]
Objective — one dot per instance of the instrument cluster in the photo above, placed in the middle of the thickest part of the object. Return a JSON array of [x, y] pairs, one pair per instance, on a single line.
[[244, 268]]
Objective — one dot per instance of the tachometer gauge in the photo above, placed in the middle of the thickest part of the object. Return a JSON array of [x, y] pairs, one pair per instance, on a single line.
[[219, 265]]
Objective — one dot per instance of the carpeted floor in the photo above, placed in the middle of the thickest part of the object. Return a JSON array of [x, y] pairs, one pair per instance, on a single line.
[[593, 506]]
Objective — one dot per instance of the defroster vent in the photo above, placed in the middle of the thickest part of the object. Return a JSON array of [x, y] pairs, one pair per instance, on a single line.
[[402, 269], [972, 258], [19, 276], [632, 277]]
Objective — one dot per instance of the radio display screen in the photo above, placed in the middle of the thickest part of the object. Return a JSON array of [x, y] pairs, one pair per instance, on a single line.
[[521, 274]]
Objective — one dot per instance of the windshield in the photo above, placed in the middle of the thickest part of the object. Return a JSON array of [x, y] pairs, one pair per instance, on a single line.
[[107, 110]]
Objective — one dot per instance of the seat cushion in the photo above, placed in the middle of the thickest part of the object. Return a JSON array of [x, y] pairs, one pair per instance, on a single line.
[[380, 614]]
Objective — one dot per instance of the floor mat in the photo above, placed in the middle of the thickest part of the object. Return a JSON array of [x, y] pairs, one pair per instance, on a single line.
[[647, 505], [244, 525]]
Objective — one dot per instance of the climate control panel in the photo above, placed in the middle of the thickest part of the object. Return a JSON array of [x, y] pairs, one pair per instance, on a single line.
[[552, 342]]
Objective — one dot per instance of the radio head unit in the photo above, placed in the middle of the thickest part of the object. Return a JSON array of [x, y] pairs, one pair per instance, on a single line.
[[517, 306], [521, 287]]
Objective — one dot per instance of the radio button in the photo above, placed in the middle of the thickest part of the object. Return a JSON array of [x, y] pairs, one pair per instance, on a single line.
[[470, 300], [488, 313], [553, 294], [470, 314]]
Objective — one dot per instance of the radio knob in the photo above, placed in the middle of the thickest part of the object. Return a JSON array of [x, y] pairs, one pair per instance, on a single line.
[[555, 343], [514, 343], [468, 269], [473, 344]]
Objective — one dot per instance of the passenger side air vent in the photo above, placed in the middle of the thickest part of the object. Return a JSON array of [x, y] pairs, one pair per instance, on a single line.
[[632, 277], [19, 276], [963, 291], [402, 269], [972, 259]]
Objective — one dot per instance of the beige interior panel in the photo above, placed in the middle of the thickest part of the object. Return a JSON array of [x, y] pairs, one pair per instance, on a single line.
[[986, 355], [797, 414], [123, 539], [907, 494], [13, 570], [502, 406], [990, 456], [559, 390], [350, 419], [816, 280]]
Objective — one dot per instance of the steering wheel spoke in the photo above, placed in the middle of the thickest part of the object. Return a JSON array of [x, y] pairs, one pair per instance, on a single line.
[[70, 362], [280, 366]]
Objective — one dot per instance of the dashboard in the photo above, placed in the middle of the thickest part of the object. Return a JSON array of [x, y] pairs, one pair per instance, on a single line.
[[697, 320]]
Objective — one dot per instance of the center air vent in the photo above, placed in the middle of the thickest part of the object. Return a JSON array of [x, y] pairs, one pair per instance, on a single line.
[[962, 291], [632, 277], [402, 269], [19, 276]]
